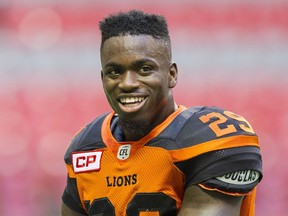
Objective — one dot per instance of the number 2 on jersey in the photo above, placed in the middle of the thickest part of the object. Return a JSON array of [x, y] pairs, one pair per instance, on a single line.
[[217, 119], [149, 203]]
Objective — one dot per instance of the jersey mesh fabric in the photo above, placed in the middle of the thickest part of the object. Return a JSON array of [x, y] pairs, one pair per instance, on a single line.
[[152, 167]]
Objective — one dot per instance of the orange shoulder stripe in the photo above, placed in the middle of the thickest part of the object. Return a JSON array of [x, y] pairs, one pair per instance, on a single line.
[[218, 144]]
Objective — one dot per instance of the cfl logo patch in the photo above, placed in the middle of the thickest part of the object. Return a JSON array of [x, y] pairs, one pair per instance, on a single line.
[[124, 152], [86, 161]]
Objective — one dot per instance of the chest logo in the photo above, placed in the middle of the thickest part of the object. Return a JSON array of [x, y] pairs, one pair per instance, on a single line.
[[124, 152], [86, 161]]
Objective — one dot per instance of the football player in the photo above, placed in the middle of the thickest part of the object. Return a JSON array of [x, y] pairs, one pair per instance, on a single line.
[[150, 156]]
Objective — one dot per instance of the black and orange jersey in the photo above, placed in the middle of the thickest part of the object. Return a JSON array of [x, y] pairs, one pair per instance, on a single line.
[[195, 146]]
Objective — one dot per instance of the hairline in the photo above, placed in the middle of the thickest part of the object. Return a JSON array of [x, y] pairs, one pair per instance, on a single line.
[[166, 43]]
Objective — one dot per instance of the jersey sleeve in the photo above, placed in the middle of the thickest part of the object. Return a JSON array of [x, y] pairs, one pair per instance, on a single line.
[[213, 170], [88, 138], [71, 197], [220, 151]]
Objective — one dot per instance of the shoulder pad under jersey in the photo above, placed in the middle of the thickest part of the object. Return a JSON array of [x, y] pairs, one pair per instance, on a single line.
[[88, 138], [204, 124]]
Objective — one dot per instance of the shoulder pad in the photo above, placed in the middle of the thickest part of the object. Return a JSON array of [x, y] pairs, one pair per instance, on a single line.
[[225, 123], [203, 124], [87, 138]]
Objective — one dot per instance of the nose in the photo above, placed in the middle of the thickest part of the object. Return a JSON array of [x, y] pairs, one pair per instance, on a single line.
[[129, 81]]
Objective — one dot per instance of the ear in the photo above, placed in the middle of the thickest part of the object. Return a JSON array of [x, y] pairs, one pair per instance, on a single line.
[[173, 75]]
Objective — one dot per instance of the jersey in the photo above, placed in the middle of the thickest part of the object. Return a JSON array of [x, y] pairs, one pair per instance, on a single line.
[[206, 146]]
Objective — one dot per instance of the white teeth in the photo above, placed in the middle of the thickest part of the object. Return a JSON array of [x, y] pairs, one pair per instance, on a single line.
[[131, 100]]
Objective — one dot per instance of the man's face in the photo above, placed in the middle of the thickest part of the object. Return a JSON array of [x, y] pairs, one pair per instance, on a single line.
[[138, 77]]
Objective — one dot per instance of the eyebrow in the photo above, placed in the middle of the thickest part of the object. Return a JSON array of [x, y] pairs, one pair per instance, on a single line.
[[142, 61], [134, 64], [112, 64]]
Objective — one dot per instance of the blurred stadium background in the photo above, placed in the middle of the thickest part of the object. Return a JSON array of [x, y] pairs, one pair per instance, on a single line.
[[230, 53]]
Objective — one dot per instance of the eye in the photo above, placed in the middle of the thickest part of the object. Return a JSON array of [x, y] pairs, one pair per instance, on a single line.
[[145, 69], [112, 72]]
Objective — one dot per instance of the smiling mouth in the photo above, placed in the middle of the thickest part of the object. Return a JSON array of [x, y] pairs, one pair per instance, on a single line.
[[131, 101], [131, 104]]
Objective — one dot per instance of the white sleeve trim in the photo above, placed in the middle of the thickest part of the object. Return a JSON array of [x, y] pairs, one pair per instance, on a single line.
[[243, 177]]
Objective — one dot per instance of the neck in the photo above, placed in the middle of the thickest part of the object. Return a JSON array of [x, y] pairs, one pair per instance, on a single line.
[[137, 129]]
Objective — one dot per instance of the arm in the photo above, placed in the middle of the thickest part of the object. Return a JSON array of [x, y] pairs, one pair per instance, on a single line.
[[200, 202], [66, 211]]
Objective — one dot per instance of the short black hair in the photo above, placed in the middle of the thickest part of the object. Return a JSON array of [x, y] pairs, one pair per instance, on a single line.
[[134, 22]]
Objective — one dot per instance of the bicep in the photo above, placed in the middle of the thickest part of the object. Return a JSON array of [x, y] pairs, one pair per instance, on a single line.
[[198, 201], [66, 211]]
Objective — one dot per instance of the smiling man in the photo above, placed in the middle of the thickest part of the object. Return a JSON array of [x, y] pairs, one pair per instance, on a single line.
[[151, 156], [138, 83]]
